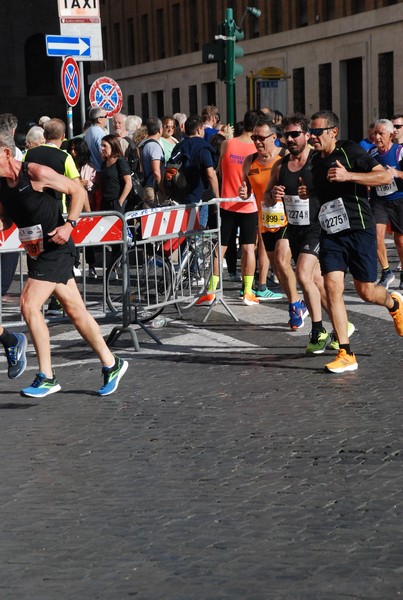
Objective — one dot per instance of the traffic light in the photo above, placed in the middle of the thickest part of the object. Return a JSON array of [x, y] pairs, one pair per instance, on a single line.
[[238, 52], [214, 52]]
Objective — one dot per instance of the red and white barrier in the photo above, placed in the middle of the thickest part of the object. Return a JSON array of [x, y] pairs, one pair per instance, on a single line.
[[89, 230], [180, 220]]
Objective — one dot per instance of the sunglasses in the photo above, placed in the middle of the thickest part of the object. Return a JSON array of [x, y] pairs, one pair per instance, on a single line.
[[293, 134], [397, 126], [260, 138], [317, 131]]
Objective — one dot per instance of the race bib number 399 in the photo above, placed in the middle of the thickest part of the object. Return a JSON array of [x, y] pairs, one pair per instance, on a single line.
[[333, 216]]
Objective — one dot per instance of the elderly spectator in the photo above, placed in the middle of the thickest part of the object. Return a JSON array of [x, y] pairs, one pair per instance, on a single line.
[[34, 137]]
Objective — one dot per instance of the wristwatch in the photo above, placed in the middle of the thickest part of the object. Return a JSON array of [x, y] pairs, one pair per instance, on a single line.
[[72, 223]]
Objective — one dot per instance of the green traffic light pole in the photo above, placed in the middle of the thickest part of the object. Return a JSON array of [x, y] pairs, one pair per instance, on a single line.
[[230, 28]]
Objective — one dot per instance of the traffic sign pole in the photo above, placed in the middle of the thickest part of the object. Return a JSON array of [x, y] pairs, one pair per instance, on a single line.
[[82, 97], [69, 121]]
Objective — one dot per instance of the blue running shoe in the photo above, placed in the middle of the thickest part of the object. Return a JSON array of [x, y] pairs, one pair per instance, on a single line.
[[298, 312], [41, 387], [112, 376], [16, 356]]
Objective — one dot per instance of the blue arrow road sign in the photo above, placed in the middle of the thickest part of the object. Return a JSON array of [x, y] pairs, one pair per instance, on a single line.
[[59, 45]]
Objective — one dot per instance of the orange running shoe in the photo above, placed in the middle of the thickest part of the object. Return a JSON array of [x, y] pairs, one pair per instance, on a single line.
[[250, 299], [397, 315], [342, 363], [206, 300]]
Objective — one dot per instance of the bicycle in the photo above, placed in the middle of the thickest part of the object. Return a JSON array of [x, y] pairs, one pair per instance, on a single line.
[[174, 271]]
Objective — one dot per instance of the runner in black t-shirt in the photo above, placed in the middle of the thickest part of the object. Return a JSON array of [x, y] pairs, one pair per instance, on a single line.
[[51, 253], [340, 173]]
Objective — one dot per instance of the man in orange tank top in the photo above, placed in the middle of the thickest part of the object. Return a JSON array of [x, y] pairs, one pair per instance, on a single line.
[[236, 212]]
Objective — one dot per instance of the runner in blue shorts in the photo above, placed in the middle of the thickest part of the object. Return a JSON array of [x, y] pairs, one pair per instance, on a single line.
[[341, 172]]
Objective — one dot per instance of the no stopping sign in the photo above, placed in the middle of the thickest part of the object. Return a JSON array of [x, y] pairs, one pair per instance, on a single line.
[[105, 92]]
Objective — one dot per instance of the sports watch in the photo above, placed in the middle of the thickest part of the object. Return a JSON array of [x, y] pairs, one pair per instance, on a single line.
[[72, 222]]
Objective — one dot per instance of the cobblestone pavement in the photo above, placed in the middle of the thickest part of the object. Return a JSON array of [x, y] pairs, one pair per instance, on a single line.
[[228, 466]]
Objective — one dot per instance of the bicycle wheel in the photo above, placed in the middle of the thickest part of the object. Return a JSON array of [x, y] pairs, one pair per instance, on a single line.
[[194, 274], [150, 285]]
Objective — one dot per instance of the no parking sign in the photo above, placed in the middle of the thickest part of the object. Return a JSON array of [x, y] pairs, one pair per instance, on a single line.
[[105, 92], [71, 81]]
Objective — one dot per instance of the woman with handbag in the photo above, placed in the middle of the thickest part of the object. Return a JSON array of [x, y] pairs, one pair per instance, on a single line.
[[116, 181]]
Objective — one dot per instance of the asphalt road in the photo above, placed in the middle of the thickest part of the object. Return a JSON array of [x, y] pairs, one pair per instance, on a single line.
[[227, 466]]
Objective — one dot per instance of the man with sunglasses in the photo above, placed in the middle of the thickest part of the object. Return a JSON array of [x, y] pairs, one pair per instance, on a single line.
[[397, 121], [341, 172], [289, 176]]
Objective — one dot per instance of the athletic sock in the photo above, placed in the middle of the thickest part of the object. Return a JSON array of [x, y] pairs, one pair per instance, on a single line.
[[346, 347], [395, 306], [247, 284], [317, 326], [8, 339], [212, 284], [262, 287]]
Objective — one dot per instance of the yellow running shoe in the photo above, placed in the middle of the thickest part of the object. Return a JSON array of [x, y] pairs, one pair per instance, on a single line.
[[334, 344], [343, 362], [397, 315]]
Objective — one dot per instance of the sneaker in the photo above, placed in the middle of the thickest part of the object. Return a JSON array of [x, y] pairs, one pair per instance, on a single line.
[[41, 387], [92, 273], [206, 300], [112, 376], [397, 315], [196, 281], [268, 295], [16, 357], [342, 363], [298, 312], [318, 341], [334, 344], [236, 277], [250, 299], [387, 278], [54, 308], [77, 272]]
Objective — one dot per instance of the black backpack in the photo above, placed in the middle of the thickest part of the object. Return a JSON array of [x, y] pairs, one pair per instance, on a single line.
[[174, 178]]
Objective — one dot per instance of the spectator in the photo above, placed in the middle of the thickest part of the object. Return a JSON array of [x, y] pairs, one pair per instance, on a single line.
[[168, 141], [93, 137], [152, 160]]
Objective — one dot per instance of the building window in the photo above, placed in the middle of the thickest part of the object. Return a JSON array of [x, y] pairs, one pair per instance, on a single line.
[[302, 13], [193, 99], [160, 33], [104, 42], [357, 6], [157, 103], [276, 16], [325, 86], [194, 18], [145, 113], [117, 44], [385, 85], [39, 68], [329, 10], [208, 93], [145, 36], [130, 104], [130, 41], [176, 103], [176, 29], [298, 86]]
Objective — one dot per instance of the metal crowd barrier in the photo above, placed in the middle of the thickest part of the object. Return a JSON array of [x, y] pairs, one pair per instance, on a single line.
[[171, 260], [103, 230]]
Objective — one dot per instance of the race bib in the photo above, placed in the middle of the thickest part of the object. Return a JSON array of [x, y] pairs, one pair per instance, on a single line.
[[273, 217], [333, 216], [297, 210], [387, 189], [32, 240]]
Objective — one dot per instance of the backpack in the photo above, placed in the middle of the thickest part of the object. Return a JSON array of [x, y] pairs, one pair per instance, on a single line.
[[174, 178]]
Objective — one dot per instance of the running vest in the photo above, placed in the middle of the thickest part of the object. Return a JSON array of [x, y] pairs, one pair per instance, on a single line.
[[231, 174], [259, 176], [391, 158], [291, 181], [28, 208]]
